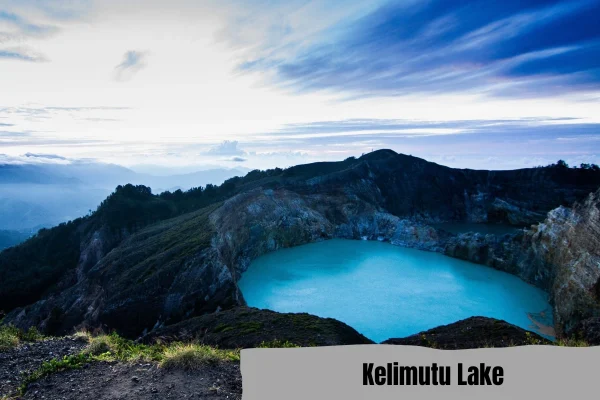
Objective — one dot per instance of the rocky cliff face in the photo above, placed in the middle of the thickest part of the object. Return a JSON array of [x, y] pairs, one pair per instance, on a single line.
[[560, 255], [187, 266]]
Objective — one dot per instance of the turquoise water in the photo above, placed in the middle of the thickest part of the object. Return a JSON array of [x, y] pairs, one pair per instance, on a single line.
[[384, 291]]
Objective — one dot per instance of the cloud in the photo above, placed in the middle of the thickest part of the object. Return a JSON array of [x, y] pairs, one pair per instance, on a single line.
[[30, 158], [133, 62], [511, 48], [59, 10], [25, 27], [21, 54], [406, 128], [238, 159], [16, 30], [226, 148], [43, 113], [45, 156]]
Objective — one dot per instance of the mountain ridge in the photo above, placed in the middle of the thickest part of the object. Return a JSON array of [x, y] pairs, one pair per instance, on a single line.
[[143, 261]]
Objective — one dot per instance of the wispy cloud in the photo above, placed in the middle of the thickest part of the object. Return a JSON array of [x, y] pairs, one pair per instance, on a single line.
[[25, 27], [30, 113], [509, 48], [16, 31], [133, 62], [31, 158], [226, 148], [21, 54], [59, 10]]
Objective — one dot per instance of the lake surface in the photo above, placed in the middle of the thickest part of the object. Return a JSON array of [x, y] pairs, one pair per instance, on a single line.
[[485, 229], [385, 291]]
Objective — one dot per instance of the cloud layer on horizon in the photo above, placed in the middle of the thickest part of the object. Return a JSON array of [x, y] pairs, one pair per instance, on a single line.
[[212, 91]]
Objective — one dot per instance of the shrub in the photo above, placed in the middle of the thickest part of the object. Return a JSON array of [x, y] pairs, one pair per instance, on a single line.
[[194, 356], [98, 345], [11, 336]]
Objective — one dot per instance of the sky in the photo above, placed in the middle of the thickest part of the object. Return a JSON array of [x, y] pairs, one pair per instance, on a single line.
[[259, 83]]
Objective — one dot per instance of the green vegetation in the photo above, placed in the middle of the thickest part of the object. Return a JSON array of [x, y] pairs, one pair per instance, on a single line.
[[112, 347], [222, 328], [10, 238], [55, 365], [193, 356], [32, 269], [531, 340], [249, 327], [178, 355], [277, 344], [11, 337], [571, 342], [425, 342], [306, 321]]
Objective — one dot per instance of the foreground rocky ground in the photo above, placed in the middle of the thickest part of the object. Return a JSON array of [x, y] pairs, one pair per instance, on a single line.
[[26, 358], [103, 377], [116, 380], [110, 379]]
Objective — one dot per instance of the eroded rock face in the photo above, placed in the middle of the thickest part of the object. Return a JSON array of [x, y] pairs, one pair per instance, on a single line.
[[560, 255], [162, 274], [254, 223]]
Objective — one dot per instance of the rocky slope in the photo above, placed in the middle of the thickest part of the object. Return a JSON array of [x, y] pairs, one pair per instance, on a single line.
[[244, 327], [147, 261], [472, 333], [560, 255], [21, 361]]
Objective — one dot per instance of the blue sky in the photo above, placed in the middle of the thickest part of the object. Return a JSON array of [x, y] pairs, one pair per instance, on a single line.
[[476, 83]]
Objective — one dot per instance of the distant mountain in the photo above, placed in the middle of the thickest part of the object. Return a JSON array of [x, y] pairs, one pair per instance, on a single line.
[[11, 238], [35, 174], [45, 194]]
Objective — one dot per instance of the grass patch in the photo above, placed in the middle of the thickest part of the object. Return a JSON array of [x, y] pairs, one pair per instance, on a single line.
[[306, 321], [277, 344], [115, 348], [194, 356], [11, 336], [112, 347], [221, 328], [571, 343], [249, 327], [74, 361]]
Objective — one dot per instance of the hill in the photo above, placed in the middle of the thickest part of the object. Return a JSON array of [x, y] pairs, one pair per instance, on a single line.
[[143, 261]]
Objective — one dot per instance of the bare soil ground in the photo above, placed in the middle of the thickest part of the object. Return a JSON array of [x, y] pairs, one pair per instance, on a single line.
[[112, 380], [122, 381], [24, 359]]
